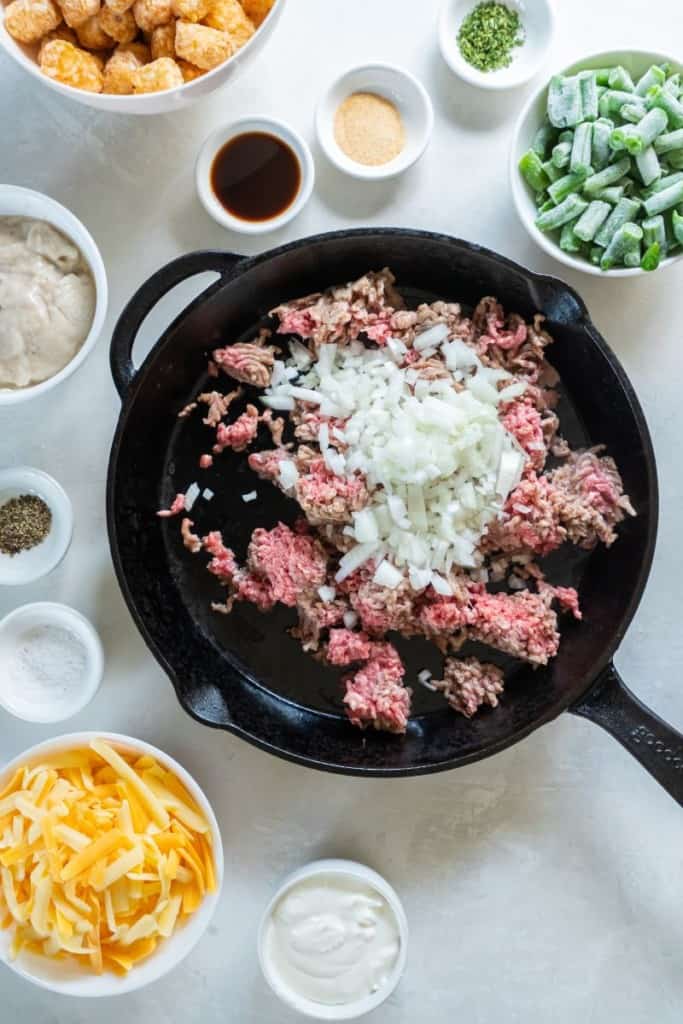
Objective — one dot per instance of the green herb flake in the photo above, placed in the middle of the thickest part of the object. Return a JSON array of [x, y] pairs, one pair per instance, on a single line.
[[488, 36]]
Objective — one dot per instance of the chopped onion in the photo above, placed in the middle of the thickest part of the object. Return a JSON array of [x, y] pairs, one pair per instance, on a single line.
[[305, 395], [280, 403], [425, 678], [350, 619], [251, 496], [327, 594], [288, 474], [365, 526], [353, 560], [431, 338], [441, 586], [509, 472], [191, 495], [512, 391], [207, 494], [386, 575], [300, 354]]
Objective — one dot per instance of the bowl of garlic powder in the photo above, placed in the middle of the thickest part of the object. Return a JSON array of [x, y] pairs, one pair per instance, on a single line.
[[50, 326], [375, 121]]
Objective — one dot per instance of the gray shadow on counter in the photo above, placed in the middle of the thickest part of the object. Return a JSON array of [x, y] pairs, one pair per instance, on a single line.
[[349, 197], [472, 108]]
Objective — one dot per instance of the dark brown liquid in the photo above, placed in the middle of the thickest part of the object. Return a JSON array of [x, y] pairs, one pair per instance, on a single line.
[[255, 176]]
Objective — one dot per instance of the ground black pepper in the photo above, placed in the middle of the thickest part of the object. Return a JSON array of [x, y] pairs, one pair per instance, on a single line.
[[24, 522]]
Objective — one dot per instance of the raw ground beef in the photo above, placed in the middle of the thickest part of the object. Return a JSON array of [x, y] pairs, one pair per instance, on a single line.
[[345, 624]]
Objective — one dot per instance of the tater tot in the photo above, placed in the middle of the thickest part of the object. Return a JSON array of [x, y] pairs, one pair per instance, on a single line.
[[61, 32], [162, 41], [67, 64], [202, 46], [139, 49], [161, 74], [228, 16], [27, 21], [151, 13], [76, 12], [121, 27], [191, 10], [257, 9], [118, 73], [189, 71], [92, 36]]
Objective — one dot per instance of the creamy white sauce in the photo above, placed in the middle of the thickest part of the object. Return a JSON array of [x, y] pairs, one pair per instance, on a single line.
[[332, 939], [47, 301]]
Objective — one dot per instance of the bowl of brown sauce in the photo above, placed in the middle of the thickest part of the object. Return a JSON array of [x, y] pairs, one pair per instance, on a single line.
[[254, 175]]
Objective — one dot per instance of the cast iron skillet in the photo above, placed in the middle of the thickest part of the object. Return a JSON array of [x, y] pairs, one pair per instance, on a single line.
[[243, 672]]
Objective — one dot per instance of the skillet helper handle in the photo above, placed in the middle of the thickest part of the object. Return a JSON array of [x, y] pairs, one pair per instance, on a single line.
[[658, 746], [146, 298]]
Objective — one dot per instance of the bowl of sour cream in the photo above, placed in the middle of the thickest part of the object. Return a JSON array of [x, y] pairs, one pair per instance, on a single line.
[[333, 940], [53, 294]]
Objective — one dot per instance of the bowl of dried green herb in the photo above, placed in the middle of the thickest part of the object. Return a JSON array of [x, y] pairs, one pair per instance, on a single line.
[[36, 523], [496, 45]]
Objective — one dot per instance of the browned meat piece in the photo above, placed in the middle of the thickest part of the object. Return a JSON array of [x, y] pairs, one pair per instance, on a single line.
[[315, 617], [218, 404], [327, 498], [381, 609], [249, 362], [468, 684], [191, 541], [522, 625], [590, 499]]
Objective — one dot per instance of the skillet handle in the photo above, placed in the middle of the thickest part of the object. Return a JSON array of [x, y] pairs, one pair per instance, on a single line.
[[658, 746], [146, 298]]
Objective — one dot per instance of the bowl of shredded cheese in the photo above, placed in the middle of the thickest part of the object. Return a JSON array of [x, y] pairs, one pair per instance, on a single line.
[[111, 864]]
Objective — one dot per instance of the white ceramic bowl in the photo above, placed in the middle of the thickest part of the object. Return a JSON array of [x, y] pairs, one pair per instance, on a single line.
[[399, 87], [636, 62], [538, 20], [27, 566], [346, 1011], [218, 139], [23, 202], [47, 613], [154, 102], [66, 979]]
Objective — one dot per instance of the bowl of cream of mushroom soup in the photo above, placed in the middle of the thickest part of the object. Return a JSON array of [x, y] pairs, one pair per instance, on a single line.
[[53, 294]]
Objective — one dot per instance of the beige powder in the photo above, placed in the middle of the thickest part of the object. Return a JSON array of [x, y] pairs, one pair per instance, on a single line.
[[369, 129]]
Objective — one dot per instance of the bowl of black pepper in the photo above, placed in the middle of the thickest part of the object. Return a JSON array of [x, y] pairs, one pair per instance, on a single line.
[[36, 524]]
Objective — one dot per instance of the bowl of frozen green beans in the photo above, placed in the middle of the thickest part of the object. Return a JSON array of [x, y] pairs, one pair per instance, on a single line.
[[597, 164]]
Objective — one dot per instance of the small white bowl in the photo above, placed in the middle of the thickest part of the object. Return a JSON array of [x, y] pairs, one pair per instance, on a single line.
[[65, 978], [636, 62], [15, 626], [27, 566], [344, 1011], [24, 202], [152, 102], [399, 87], [215, 143], [538, 22]]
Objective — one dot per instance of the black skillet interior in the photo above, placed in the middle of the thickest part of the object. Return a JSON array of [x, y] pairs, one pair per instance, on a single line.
[[244, 672]]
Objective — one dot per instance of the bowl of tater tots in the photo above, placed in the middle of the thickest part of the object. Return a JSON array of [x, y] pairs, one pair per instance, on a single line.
[[135, 56]]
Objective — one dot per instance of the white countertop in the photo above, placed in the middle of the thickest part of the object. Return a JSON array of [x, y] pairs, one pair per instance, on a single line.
[[542, 885]]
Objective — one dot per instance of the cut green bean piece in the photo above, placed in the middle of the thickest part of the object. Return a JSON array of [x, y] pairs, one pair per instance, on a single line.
[[664, 200], [608, 176], [673, 85], [632, 257], [633, 112], [619, 78], [612, 194], [591, 220], [544, 139], [625, 211], [531, 167], [648, 166], [659, 99], [552, 172], [572, 207], [589, 95], [568, 240], [612, 101], [677, 226], [653, 76], [581, 148], [626, 239], [561, 154], [662, 183], [564, 101], [618, 138], [547, 205], [646, 131], [595, 254], [654, 230], [602, 75], [651, 257], [669, 141], [560, 189], [601, 152]]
